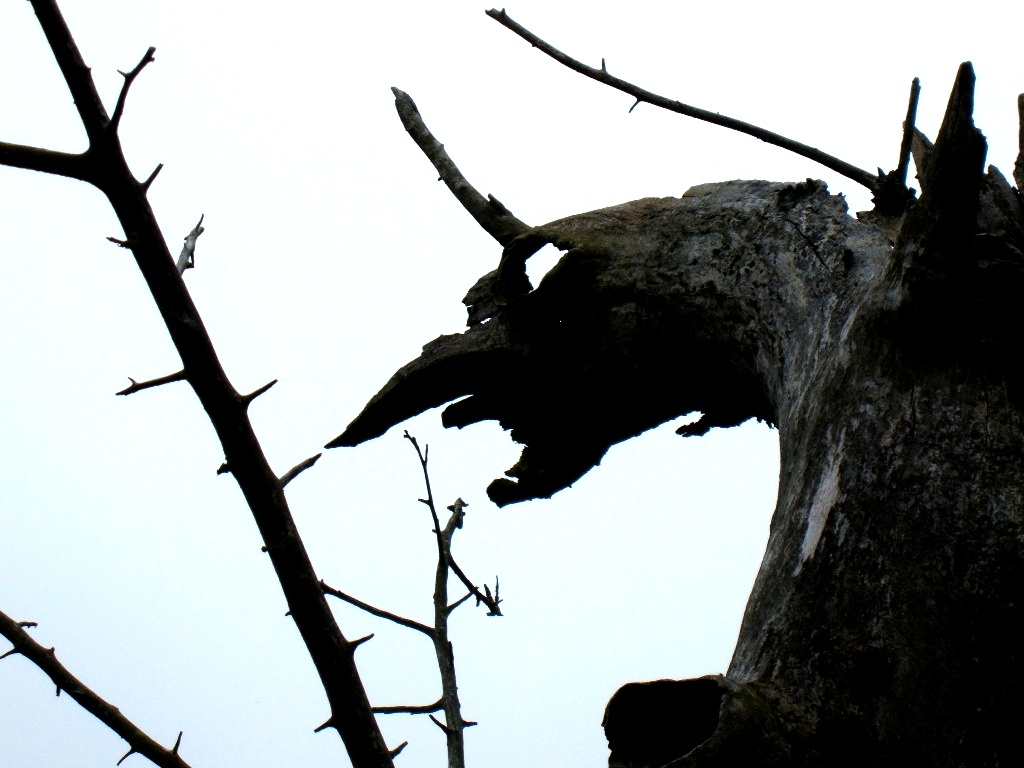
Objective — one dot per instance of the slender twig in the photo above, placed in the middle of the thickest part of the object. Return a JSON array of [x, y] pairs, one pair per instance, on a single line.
[[46, 660], [129, 78], [429, 501], [489, 213], [138, 386], [378, 612], [437, 706], [328, 648], [841, 167]]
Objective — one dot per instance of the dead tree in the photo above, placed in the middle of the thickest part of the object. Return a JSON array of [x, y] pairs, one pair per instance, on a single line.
[[880, 628]]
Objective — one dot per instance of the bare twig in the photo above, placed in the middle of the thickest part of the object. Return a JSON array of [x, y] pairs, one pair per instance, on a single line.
[[378, 612], [437, 706], [841, 167], [492, 606], [129, 78], [489, 213], [908, 132], [138, 386], [46, 660]]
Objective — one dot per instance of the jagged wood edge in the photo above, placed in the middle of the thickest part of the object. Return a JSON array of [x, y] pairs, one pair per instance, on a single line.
[[103, 165], [46, 660]]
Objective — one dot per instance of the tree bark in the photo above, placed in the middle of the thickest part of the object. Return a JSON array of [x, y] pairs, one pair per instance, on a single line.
[[879, 629]]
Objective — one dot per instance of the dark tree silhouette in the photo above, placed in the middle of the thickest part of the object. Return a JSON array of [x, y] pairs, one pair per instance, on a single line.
[[880, 627]]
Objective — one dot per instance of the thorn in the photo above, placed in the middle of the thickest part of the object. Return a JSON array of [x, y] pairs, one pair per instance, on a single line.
[[223, 469], [356, 643], [325, 726], [9, 653], [120, 243], [28, 624], [246, 399], [58, 692], [424, 501], [177, 743], [298, 469], [147, 182], [469, 723], [634, 106], [603, 67], [127, 754], [440, 725], [263, 548], [398, 750]]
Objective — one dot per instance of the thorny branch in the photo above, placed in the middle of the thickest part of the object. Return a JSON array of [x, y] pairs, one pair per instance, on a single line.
[[456, 519], [438, 634], [46, 660], [862, 177], [103, 164]]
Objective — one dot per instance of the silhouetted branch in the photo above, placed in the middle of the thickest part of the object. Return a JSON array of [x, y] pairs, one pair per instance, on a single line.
[[46, 660], [298, 469], [489, 213], [138, 386], [378, 612], [908, 132], [129, 78], [437, 706], [444, 550], [858, 175]]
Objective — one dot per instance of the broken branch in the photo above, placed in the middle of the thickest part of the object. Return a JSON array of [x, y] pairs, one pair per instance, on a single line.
[[46, 660], [187, 258], [862, 177], [489, 213]]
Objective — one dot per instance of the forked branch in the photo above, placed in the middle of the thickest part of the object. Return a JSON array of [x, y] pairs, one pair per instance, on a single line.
[[46, 660]]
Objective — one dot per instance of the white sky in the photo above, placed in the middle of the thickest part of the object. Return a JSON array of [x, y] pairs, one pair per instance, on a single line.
[[331, 255]]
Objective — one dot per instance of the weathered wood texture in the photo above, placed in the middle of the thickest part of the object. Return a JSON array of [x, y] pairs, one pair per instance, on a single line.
[[881, 627]]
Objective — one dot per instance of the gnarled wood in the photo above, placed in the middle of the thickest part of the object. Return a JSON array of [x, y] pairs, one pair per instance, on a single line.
[[878, 631]]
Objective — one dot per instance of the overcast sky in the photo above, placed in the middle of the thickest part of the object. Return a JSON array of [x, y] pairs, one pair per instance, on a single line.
[[331, 256]]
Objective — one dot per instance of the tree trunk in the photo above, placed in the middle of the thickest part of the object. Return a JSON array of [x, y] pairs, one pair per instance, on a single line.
[[880, 628]]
